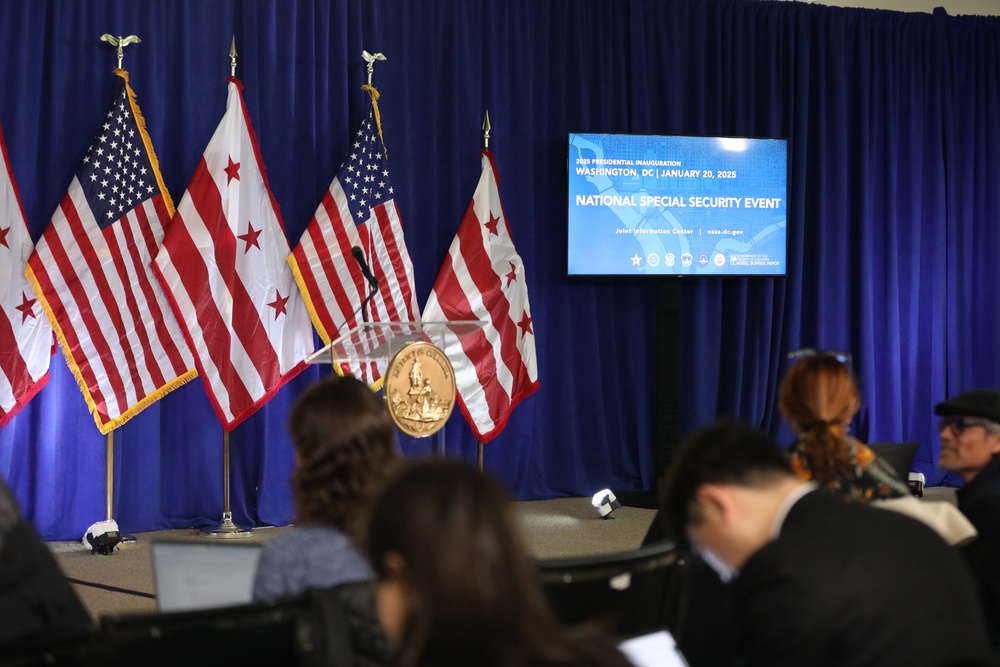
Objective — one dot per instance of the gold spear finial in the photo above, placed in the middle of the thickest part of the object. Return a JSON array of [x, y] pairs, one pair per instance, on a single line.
[[370, 58], [232, 57], [120, 42], [486, 130]]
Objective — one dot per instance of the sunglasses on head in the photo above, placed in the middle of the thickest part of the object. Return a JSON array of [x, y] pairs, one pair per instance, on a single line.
[[842, 357], [959, 424]]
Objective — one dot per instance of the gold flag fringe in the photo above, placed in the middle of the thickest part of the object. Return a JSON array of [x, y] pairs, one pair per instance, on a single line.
[[141, 122], [103, 427]]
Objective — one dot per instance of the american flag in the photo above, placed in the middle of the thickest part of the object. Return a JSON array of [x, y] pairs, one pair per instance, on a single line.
[[358, 210], [25, 334], [223, 266], [482, 278], [91, 272]]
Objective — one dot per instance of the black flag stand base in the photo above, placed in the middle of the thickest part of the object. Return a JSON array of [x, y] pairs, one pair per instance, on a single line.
[[226, 529]]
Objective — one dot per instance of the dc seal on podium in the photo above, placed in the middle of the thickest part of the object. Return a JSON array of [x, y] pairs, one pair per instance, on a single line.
[[420, 389]]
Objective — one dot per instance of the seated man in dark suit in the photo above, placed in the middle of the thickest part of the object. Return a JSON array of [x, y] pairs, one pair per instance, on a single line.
[[818, 581], [970, 444]]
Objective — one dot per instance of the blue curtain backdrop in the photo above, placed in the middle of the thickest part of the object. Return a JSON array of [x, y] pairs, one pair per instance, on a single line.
[[893, 123]]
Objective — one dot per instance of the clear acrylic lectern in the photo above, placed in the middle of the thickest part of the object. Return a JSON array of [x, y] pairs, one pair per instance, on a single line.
[[376, 343]]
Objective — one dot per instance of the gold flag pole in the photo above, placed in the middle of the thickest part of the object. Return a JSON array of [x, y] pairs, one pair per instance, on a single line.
[[109, 525], [486, 146], [110, 487], [110, 483], [227, 528]]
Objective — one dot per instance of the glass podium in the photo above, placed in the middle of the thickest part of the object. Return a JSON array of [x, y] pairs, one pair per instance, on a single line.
[[366, 350]]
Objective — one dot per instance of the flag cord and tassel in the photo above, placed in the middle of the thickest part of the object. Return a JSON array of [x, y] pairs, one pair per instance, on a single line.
[[370, 58], [227, 528], [480, 457]]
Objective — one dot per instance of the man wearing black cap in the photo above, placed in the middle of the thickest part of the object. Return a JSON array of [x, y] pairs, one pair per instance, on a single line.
[[970, 441]]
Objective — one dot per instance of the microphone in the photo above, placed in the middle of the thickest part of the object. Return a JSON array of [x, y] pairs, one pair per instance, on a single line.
[[359, 257]]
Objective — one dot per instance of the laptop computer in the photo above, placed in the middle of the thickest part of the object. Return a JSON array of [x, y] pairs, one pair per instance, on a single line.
[[196, 575]]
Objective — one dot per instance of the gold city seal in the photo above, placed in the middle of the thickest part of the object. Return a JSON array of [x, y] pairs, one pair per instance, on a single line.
[[420, 389]]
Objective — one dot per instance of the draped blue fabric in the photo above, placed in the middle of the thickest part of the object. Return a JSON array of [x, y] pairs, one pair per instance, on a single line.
[[893, 123]]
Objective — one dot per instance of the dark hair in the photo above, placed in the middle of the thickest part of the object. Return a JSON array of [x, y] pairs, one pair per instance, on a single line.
[[345, 444], [818, 397], [474, 595], [727, 452]]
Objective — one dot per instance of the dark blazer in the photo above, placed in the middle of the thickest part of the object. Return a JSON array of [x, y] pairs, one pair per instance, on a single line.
[[979, 501], [846, 584]]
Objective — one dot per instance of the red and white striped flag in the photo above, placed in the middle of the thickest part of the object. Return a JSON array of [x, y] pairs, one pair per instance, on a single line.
[[223, 266], [482, 278], [91, 272], [358, 211], [25, 334]]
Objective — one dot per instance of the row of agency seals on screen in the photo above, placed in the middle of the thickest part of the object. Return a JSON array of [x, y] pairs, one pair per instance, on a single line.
[[686, 259]]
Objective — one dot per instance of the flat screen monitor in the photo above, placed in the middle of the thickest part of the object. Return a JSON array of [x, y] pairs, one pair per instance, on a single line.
[[650, 205], [191, 576]]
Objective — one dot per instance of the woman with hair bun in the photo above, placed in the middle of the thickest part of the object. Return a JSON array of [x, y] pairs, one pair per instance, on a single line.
[[818, 398]]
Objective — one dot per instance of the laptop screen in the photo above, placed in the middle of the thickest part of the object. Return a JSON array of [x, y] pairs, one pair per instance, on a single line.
[[656, 649], [190, 575], [899, 455]]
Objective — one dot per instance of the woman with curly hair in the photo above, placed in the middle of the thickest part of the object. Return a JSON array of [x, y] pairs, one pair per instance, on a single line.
[[818, 398], [345, 445], [456, 586]]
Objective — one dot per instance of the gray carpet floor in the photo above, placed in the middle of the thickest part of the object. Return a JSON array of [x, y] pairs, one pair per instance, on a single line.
[[557, 528], [122, 583]]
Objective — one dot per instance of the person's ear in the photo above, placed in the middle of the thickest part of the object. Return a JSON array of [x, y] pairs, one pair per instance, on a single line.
[[994, 442], [716, 502]]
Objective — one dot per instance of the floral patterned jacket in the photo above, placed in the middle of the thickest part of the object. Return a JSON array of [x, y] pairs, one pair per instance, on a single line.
[[872, 478]]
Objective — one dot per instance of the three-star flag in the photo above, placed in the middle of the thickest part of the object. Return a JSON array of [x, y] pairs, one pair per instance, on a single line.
[[223, 266], [25, 334], [483, 278]]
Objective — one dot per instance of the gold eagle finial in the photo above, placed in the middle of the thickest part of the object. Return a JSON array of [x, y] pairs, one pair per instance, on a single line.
[[120, 42], [370, 58]]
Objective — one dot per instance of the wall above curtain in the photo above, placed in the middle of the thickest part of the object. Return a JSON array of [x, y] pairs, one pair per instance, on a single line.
[[892, 119]]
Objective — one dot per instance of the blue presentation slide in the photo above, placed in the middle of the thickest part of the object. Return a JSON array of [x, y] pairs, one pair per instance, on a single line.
[[672, 205]]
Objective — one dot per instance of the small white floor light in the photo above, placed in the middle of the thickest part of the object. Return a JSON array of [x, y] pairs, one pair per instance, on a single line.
[[605, 503]]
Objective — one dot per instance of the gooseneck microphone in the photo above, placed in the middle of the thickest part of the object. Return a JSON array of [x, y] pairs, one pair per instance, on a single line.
[[359, 257]]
